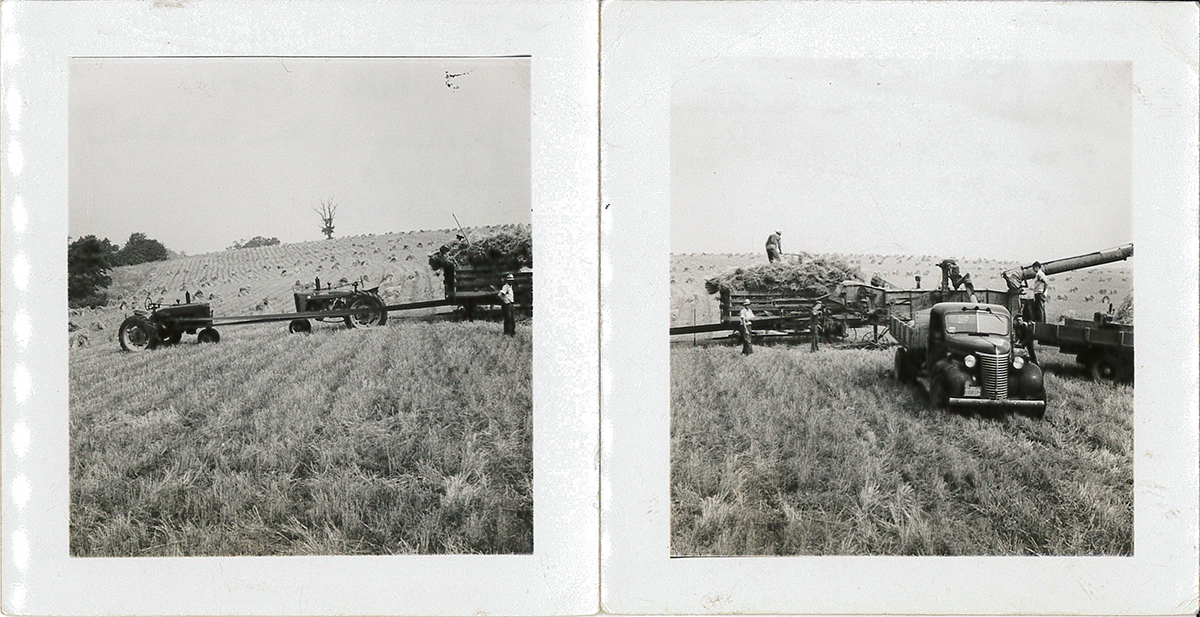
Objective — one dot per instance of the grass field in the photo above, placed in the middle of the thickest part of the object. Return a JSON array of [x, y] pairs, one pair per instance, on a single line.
[[411, 438], [787, 452]]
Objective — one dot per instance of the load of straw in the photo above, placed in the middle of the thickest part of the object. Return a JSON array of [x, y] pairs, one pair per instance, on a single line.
[[511, 248], [812, 276]]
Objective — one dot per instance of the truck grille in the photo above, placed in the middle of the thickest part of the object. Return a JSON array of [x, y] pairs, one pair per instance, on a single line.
[[994, 372]]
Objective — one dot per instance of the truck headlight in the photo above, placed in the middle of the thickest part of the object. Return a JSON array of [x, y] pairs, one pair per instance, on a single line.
[[970, 361], [1018, 362]]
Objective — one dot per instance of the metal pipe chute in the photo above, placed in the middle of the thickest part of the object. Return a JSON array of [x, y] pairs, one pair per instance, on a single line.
[[1016, 276]]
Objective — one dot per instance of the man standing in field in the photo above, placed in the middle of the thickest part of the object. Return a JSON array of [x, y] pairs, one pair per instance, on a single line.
[[506, 306], [815, 323], [745, 318], [774, 253]]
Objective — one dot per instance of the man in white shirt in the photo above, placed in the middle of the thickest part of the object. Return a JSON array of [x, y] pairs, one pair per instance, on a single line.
[[506, 306], [1041, 285], [745, 318]]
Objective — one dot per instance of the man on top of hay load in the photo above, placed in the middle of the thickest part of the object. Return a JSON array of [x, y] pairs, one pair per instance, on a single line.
[[774, 253]]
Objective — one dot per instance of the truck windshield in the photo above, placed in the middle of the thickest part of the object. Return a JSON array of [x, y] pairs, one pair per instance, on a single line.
[[976, 323]]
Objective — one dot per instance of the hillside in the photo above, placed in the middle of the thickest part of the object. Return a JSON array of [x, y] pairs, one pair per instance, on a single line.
[[1076, 294], [245, 281]]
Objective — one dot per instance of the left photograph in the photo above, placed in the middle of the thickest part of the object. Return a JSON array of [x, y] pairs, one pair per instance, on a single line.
[[301, 306]]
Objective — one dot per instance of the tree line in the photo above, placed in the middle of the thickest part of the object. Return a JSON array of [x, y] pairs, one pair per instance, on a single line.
[[90, 259]]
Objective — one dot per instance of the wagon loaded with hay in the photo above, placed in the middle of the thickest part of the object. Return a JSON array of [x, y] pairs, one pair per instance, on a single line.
[[474, 270], [784, 296]]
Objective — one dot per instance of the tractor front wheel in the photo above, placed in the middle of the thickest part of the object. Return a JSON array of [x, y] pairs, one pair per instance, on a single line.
[[376, 317], [302, 326], [208, 335], [173, 338], [137, 334]]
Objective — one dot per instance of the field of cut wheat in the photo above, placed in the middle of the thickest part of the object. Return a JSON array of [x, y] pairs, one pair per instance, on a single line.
[[414, 437], [789, 452]]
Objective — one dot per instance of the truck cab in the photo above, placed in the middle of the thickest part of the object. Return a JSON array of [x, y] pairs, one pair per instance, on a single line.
[[964, 353]]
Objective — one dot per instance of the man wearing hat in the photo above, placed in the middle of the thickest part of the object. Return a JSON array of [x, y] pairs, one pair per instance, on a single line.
[[774, 253], [506, 306], [1041, 285], [816, 323], [745, 318]]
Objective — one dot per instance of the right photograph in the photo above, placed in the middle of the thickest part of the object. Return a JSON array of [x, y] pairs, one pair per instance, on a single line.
[[901, 307]]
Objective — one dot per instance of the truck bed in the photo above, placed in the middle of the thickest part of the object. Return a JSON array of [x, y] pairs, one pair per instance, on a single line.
[[912, 334], [1077, 334]]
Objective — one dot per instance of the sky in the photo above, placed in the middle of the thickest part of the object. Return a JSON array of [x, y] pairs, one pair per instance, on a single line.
[[201, 152], [975, 159]]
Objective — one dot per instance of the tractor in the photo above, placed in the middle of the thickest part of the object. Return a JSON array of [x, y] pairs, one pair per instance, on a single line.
[[368, 301], [166, 325]]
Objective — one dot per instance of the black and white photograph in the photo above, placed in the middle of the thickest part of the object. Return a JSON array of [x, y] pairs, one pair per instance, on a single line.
[[901, 308], [301, 306], [868, 316]]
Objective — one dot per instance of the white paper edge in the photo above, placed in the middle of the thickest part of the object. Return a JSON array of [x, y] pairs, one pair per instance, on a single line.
[[639, 40], [561, 576]]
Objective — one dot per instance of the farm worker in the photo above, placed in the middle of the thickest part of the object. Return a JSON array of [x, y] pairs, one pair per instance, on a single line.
[[745, 318], [1041, 285], [506, 305], [1023, 329], [774, 253], [951, 274], [814, 325]]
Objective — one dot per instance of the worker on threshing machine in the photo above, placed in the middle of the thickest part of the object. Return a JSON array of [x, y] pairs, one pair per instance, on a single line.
[[506, 306], [774, 252], [952, 275], [745, 319], [1041, 285]]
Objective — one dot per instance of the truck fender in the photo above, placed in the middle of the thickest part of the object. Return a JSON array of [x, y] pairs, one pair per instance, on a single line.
[[1030, 381]]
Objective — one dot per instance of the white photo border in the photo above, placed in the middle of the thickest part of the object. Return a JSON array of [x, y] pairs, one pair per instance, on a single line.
[[640, 42], [39, 576]]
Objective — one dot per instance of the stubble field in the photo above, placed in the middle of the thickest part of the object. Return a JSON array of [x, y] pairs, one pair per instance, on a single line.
[[788, 452], [414, 437]]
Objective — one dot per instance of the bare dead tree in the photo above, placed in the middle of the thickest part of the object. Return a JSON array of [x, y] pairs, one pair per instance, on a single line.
[[327, 211]]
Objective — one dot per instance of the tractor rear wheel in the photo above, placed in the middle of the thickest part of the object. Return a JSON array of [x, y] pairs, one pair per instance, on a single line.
[[208, 335], [377, 317], [137, 334]]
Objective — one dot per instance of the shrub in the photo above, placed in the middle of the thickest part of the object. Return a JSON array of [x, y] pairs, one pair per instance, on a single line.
[[89, 260], [253, 242]]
